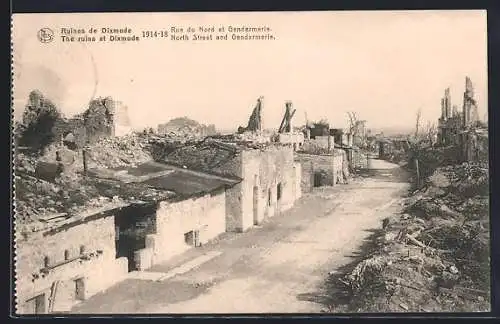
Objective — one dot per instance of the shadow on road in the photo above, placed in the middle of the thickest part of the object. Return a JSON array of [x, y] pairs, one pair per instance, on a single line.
[[333, 295]]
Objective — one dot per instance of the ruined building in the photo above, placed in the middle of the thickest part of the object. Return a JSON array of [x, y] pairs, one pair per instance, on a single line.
[[39, 118], [140, 216], [271, 178], [452, 122], [99, 119], [470, 114], [286, 135], [255, 120], [359, 133], [463, 129], [286, 122], [121, 120]]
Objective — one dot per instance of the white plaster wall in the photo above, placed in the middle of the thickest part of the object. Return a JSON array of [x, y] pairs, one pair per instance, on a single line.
[[207, 214], [298, 180], [99, 273]]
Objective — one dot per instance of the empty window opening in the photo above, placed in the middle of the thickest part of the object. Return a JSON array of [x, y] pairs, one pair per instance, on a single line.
[[36, 305], [317, 179], [192, 238], [66, 255], [269, 197], [278, 192], [82, 249], [80, 289], [46, 261]]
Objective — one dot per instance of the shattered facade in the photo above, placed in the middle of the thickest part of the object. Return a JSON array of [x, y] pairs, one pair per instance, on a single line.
[[470, 113], [286, 133], [121, 120], [286, 123], [450, 122], [255, 121], [462, 129], [269, 186], [56, 269], [360, 132], [268, 171]]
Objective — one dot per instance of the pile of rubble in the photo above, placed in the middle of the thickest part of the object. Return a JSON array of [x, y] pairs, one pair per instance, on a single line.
[[205, 155], [115, 152], [435, 256], [184, 127], [70, 192], [37, 200]]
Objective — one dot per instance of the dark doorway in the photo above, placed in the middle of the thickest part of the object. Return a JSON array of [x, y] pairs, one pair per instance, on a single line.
[[132, 225], [36, 305], [80, 289], [256, 205], [278, 192], [317, 179], [269, 197]]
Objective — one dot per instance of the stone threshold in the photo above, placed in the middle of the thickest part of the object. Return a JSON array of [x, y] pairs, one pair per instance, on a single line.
[[182, 269]]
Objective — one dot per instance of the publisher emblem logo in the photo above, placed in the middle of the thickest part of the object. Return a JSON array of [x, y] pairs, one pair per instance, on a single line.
[[45, 35]]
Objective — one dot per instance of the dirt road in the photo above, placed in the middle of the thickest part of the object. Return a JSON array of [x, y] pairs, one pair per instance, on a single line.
[[279, 267]]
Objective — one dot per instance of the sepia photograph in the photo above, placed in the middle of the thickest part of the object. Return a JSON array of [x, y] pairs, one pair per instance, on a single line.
[[314, 162]]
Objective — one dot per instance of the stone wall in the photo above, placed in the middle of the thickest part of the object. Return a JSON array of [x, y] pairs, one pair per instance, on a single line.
[[207, 214], [297, 192], [328, 165], [85, 252], [269, 181]]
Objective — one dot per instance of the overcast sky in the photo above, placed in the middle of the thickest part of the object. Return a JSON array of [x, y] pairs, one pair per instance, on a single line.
[[382, 65]]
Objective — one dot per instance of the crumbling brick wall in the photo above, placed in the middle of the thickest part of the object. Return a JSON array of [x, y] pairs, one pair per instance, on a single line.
[[98, 272]]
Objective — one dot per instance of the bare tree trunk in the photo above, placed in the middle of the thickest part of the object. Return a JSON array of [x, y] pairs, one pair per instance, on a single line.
[[417, 126]]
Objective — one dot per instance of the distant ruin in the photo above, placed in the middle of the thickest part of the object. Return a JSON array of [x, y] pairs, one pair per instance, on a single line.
[[39, 117], [186, 126], [255, 120], [462, 130]]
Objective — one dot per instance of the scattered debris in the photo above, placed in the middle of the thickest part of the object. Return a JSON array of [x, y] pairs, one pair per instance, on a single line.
[[434, 257]]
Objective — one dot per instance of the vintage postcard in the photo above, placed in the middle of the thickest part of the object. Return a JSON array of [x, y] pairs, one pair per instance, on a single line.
[[251, 162]]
